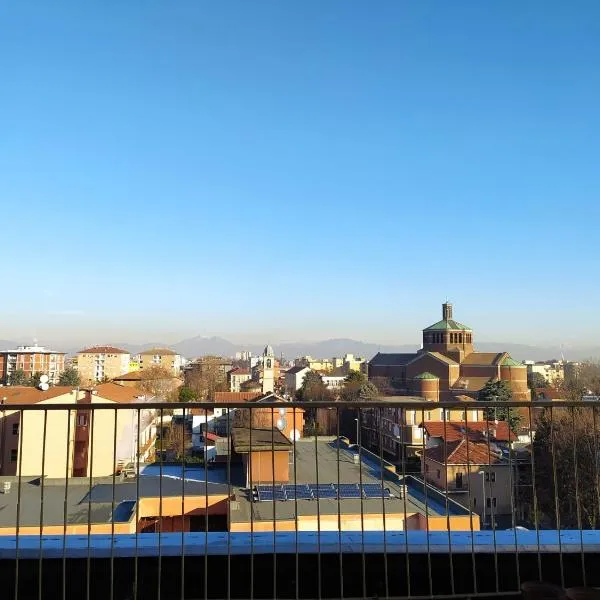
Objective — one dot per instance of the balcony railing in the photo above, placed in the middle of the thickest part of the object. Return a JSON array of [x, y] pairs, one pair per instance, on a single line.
[[299, 500]]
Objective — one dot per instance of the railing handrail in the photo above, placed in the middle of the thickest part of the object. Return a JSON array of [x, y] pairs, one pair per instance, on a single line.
[[207, 405]]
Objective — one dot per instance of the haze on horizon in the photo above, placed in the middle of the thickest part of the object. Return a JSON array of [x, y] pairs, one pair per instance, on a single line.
[[270, 171]]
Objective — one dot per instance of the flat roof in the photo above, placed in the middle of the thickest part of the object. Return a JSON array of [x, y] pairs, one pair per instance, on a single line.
[[303, 470], [96, 505]]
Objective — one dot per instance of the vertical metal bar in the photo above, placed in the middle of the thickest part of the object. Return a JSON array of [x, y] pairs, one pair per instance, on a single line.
[[556, 499], [339, 512], [362, 508], [251, 506], [318, 515], [66, 502], [137, 506], [297, 562], [577, 496], [596, 463], [448, 526], [274, 506], [40, 559], [381, 467], [206, 499], [402, 429], [492, 511], [89, 514], [160, 502], [230, 450], [425, 486], [112, 509], [470, 503], [534, 495], [513, 482], [183, 451], [18, 516], [18, 523]]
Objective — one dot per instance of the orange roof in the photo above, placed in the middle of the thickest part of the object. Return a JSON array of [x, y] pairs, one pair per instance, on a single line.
[[131, 376], [453, 431], [463, 452], [103, 350], [160, 351], [117, 393], [20, 394], [235, 396], [483, 358]]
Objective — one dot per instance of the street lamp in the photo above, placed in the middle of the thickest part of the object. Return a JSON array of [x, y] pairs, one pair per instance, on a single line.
[[356, 430]]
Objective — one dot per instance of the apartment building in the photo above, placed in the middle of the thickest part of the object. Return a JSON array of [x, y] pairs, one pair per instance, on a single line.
[[31, 360], [236, 377], [161, 357], [72, 441], [100, 363]]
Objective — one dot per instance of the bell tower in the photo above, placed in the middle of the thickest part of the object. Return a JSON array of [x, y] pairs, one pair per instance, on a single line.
[[268, 367], [449, 337]]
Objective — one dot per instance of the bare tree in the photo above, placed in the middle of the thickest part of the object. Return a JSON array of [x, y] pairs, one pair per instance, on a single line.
[[158, 382], [206, 376]]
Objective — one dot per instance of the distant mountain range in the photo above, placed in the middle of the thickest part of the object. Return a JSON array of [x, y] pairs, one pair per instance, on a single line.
[[200, 345]]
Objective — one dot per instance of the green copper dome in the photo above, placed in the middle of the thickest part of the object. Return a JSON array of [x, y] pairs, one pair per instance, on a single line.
[[447, 325], [510, 362], [426, 375]]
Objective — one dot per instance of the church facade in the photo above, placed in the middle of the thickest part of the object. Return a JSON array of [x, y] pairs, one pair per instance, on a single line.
[[448, 368]]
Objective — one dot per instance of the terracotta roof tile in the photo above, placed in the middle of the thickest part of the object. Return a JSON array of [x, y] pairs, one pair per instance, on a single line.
[[30, 395], [453, 431], [117, 393], [223, 397], [103, 350], [461, 452]]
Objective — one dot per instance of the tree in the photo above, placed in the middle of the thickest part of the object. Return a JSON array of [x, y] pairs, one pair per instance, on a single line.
[[206, 376], [496, 390], [69, 377], [313, 389], [358, 387], [536, 381], [157, 382], [17, 377], [34, 380], [186, 394], [566, 449]]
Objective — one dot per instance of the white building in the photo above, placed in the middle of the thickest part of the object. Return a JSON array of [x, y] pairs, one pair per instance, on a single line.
[[294, 378]]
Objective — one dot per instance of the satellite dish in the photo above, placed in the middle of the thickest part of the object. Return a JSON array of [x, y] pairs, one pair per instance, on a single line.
[[44, 387], [282, 412], [281, 424], [295, 435], [44, 379]]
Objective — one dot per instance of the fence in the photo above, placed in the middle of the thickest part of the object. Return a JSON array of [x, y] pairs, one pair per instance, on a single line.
[[394, 498]]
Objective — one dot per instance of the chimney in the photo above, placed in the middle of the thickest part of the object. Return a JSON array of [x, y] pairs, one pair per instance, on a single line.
[[446, 311]]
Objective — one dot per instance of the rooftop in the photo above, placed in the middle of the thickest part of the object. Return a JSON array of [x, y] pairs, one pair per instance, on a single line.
[[326, 452], [30, 350], [255, 439], [222, 397], [452, 431], [392, 359], [103, 350], [160, 352], [463, 452], [447, 325]]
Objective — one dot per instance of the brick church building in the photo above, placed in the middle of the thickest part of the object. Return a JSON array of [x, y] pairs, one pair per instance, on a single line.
[[447, 367]]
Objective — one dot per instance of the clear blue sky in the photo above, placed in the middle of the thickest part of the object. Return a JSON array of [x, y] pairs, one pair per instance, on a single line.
[[299, 170]]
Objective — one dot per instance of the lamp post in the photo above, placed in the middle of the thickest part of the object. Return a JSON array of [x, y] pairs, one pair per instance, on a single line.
[[356, 431]]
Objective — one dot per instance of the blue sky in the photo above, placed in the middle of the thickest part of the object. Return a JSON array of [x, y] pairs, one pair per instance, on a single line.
[[299, 170]]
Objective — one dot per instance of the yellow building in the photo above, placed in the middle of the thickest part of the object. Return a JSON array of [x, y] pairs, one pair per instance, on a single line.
[[100, 363], [161, 357], [72, 441]]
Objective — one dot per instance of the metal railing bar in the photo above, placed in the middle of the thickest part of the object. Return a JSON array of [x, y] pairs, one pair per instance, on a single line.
[[183, 519], [578, 498], [339, 509], [362, 508], [425, 488], [470, 503], [491, 497], [383, 507], [18, 515], [206, 501], [112, 510], [65, 503], [90, 465], [534, 495], [447, 498], [40, 563], [556, 502], [403, 453], [160, 501], [318, 514], [137, 508]]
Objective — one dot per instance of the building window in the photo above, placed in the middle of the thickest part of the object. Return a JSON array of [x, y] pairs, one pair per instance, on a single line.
[[490, 476], [15, 429], [459, 480], [82, 420], [13, 455]]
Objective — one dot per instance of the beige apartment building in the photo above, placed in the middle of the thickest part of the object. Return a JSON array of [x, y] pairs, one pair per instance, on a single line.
[[31, 360], [75, 441], [100, 363], [161, 357]]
